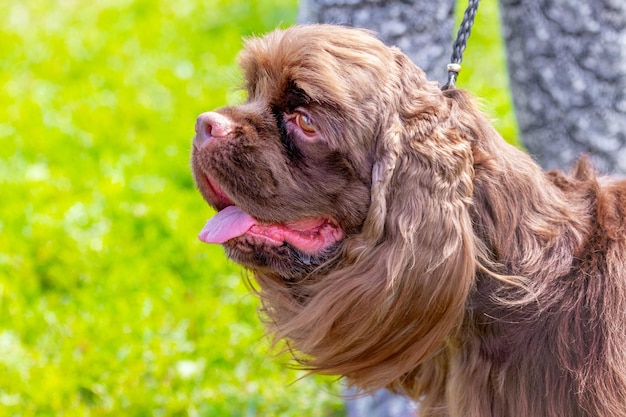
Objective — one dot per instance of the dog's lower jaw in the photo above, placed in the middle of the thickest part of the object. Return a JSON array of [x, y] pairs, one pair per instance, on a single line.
[[284, 261]]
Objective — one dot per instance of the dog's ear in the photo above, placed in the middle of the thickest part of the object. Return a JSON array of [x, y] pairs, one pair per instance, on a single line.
[[420, 253], [422, 185]]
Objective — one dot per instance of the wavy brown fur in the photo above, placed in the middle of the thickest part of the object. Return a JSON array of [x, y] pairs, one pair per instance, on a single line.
[[417, 298]]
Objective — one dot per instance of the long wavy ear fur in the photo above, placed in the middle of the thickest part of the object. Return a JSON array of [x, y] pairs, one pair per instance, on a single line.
[[401, 287]]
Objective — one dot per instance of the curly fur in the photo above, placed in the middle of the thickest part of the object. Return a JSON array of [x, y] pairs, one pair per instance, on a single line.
[[468, 278]]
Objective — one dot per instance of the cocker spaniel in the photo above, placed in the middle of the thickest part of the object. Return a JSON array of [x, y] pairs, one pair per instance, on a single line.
[[398, 241]]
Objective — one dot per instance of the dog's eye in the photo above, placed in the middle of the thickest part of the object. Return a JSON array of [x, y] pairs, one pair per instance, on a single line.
[[304, 122]]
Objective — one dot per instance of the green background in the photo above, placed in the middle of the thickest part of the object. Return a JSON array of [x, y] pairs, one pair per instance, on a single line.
[[109, 305]]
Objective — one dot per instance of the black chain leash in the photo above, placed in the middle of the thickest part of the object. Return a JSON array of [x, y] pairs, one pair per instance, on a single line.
[[454, 67]]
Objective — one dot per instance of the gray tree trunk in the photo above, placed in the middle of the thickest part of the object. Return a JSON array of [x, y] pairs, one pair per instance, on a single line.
[[566, 59], [567, 67]]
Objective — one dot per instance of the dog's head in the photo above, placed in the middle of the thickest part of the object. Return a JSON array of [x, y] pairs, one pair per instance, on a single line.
[[290, 170], [343, 182]]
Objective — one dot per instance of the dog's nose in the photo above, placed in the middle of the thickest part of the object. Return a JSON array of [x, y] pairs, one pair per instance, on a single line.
[[211, 125]]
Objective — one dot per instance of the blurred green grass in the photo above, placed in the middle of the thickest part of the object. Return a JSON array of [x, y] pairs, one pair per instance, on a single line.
[[109, 305]]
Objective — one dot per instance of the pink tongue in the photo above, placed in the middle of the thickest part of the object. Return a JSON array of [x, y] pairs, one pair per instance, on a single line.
[[229, 223]]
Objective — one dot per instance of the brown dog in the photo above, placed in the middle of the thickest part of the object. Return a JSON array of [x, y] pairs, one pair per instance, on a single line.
[[398, 241]]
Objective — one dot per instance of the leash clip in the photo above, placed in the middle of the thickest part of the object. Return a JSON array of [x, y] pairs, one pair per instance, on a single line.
[[453, 73]]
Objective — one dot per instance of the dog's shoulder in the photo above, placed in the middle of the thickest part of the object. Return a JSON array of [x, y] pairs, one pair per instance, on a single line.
[[604, 195]]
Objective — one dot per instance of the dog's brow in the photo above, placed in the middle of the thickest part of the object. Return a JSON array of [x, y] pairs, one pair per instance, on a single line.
[[293, 96]]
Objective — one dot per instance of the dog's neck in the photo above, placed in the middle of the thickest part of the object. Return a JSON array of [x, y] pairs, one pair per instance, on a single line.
[[532, 223]]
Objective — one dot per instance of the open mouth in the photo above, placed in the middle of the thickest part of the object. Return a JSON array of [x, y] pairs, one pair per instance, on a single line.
[[309, 235]]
